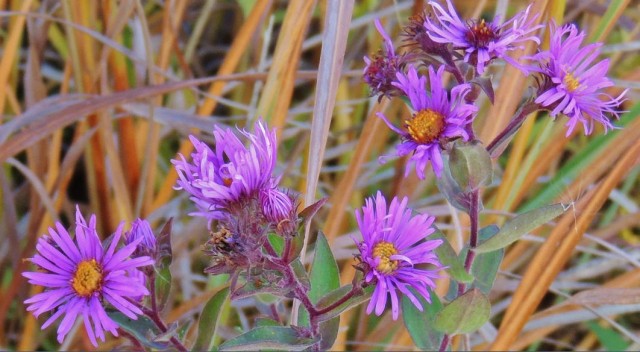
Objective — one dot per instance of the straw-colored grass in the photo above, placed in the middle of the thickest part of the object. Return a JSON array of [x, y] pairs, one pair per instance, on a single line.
[[97, 96]]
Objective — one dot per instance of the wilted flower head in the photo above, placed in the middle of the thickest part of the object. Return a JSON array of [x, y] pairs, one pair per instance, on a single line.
[[481, 41], [221, 178], [80, 277], [572, 84], [415, 34], [394, 251], [436, 120], [380, 70]]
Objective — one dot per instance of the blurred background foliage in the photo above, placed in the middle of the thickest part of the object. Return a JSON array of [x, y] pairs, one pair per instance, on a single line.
[[97, 96]]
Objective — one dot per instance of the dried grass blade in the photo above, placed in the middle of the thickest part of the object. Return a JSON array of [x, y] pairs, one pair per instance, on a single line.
[[10, 51], [231, 60], [371, 131], [278, 89], [556, 251], [45, 124], [336, 32]]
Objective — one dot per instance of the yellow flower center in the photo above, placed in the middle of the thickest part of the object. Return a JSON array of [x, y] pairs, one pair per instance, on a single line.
[[227, 181], [384, 250], [425, 126], [570, 82], [87, 278]]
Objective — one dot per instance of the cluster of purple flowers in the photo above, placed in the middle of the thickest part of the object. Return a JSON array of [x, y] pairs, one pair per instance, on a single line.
[[569, 83], [232, 183]]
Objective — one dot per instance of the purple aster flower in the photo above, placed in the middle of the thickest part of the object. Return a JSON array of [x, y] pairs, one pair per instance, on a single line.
[[394, 251], [481, 41], [380, 70], [221, 178], [437, 118], [572, 84], [80, 277]]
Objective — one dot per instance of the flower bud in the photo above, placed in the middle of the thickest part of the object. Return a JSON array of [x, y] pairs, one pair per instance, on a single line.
[[141, 231]]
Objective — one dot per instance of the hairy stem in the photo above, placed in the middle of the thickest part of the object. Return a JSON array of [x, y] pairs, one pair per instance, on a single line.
[[473, 235], [451, 66], [355, 290], [444, 343], [131, 338], [154, 314]]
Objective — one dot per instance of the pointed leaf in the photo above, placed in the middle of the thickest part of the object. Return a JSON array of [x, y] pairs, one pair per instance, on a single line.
[[161, 267], [465, 314], [329, 333], [485, 84], [143, 329], [209, 320], [450, 189], [163, 286], [420, 324], [450, 259], [301, 272], [165, 254], [324, 277], [268, 337], [263, 321], [470, 165], [485, 267], [277, 242], [309, 212], [519, 226]]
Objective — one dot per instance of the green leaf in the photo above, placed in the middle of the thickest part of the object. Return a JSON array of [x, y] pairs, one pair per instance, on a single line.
[[263, 321], [306, 215], [470, 165], [420, 323], [277, 242], [485, 266], [609, 338], [165, 254], [300, 272], [520, 225], [163, 286], [246, 6], [449, 258], [268, 337], [334, 295], [485, 84], [161, 267], [309, 212], [324, 277], [450, 189], [329, 333], [465, 314], [209, 320], [143, 329]]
